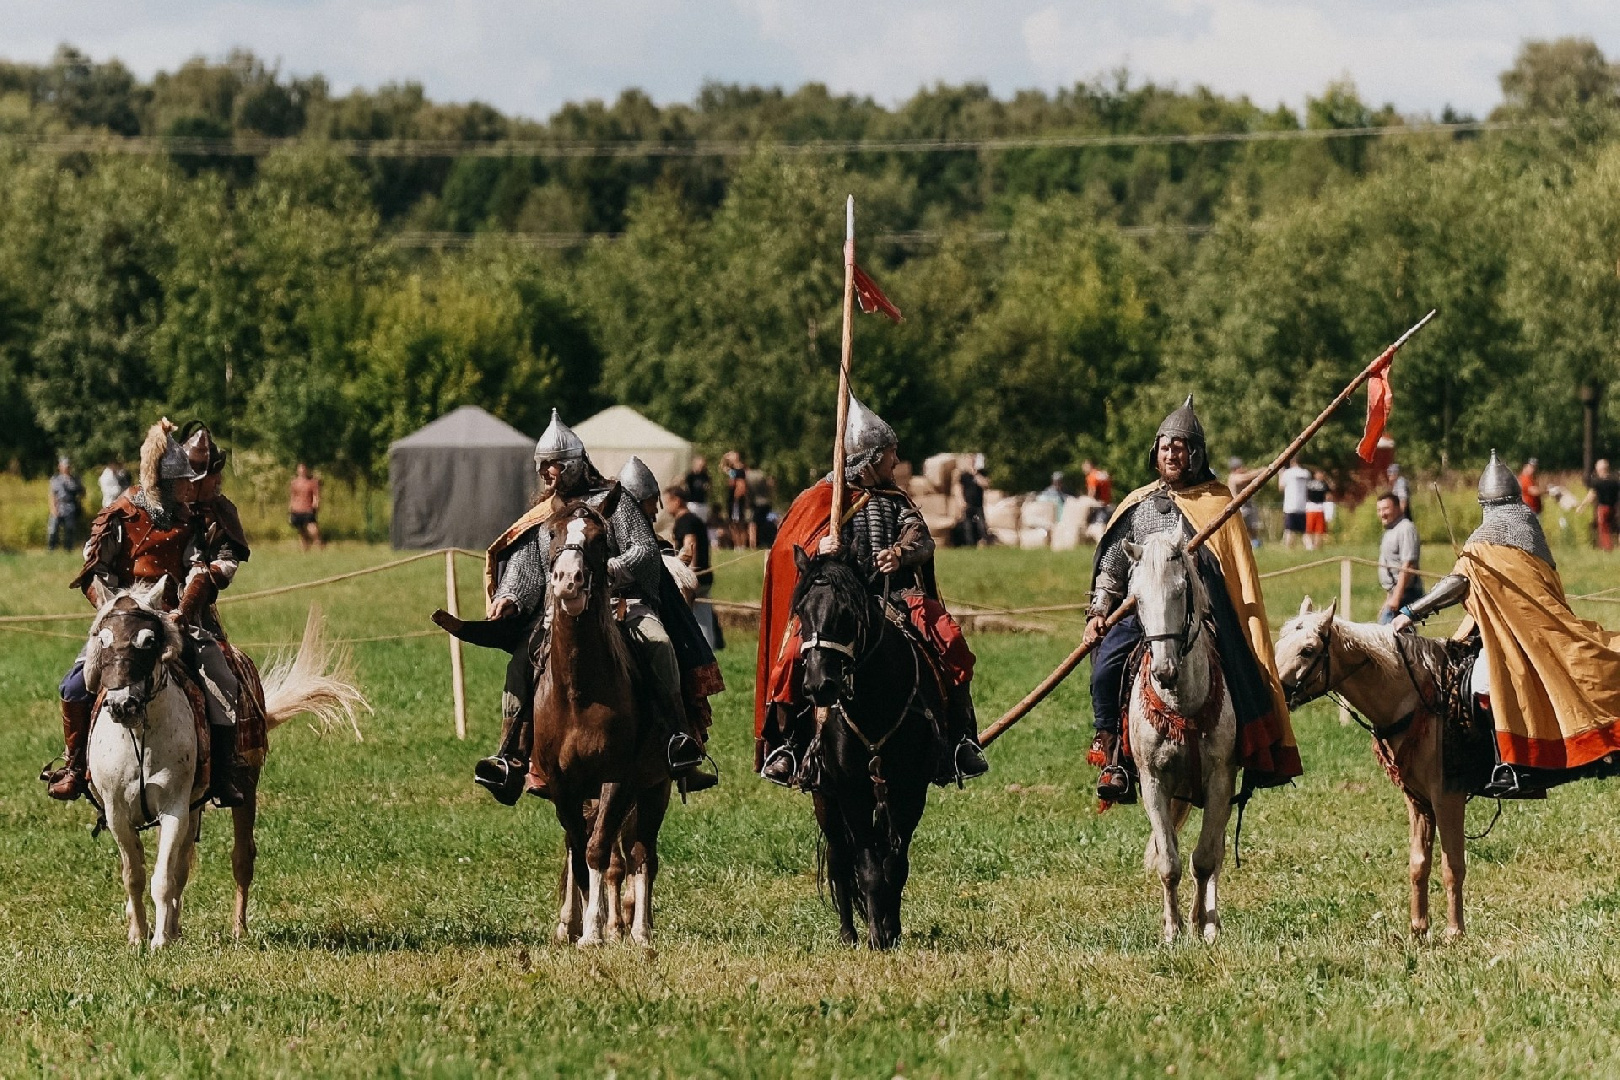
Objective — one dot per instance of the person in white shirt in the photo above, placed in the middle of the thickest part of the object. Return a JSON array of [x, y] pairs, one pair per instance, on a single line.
[[1293, 480], [113, 481]]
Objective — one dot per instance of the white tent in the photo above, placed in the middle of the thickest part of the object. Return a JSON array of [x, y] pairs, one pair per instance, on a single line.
[[614, 435]]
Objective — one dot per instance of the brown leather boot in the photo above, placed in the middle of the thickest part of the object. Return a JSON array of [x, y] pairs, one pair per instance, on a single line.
[[1114, 782], [70, 781]]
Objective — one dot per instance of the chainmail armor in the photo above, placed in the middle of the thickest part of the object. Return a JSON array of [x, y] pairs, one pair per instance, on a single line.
[[162, 516], [1153, 516], [528, 567], [1514, 525], [882, 523], [635, 564]]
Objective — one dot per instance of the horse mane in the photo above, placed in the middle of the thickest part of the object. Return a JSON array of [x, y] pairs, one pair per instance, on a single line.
[[838, 575]]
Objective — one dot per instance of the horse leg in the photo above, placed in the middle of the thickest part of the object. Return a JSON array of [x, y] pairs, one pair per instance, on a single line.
[[1453, 853], [613, 894], [1420, 861], [896, 868], [1163, 856], [244, 849], [572, 818], [132, 854], [611, 808], [649, 818], [168, 877], [1210, 853], [840, 864]]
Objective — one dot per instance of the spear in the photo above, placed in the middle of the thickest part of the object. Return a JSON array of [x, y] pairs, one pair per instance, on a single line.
[[843, 368], [1072, 661]]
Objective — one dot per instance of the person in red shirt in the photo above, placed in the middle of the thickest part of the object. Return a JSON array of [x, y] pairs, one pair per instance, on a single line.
[[1529, 488]]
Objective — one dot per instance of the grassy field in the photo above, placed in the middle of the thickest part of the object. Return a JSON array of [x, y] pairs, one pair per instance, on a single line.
[[401, 919]]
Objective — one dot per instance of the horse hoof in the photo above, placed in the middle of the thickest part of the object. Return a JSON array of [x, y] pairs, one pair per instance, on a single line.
[[589, 942], [640, 938], [1211, 932]]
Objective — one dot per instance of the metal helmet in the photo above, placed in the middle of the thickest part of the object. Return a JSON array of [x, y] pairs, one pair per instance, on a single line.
[[1497, 484], [638, 481], [1183, 424], [865, 431], [162, 458], [558, 443], [206, 455]]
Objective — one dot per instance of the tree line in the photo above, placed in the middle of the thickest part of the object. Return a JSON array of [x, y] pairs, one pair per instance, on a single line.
[[1057, 298]]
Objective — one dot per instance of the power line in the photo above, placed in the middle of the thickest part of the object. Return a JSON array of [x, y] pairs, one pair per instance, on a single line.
[[456, 241], [257, 145]]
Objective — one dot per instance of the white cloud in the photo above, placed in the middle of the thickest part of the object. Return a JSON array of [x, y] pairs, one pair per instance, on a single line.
[[530, 56]]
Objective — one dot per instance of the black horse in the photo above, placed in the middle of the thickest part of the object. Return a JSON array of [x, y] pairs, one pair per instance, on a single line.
[[877, 705]]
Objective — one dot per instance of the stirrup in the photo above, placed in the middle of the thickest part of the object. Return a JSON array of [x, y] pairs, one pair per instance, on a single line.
[[681, 765], [502, 777], [781, 753], [1120, 777]]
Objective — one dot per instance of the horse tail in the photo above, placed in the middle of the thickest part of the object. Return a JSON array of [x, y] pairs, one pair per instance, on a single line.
[[319, 680]]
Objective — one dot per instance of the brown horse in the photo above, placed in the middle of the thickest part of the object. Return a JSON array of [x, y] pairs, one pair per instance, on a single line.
[[592, 742]]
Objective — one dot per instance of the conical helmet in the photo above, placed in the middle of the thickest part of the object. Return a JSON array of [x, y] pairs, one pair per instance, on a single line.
[[1497, 484], [865, 431], [638, 481], [1183, 424], [162, 458], [559, 443]]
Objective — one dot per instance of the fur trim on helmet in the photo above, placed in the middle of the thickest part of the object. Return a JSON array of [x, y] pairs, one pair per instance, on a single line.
[[152, 451]]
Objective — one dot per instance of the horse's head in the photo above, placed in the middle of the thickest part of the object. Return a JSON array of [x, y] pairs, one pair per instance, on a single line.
[[131, 640], [1303, 653], [835, 617], [1170, 601], [579, 555]]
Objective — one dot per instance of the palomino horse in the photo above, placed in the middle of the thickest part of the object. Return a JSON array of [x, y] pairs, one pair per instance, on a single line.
[[1183, 730], [592, 741], [1319, 654], [872, 757], [144, 748]]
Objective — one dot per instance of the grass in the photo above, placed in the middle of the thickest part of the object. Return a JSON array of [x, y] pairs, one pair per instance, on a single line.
[[401, 919]]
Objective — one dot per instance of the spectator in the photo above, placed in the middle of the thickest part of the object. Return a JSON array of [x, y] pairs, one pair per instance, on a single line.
[[692, 548], [66, 495], [738, 508], [698, 487], [762, 519], [113, 481], [1399, 488], [1316, 513], [975, 529], [303, 506], [1238, 478], [1604, 490], [1052, 493], [1100, 486], [1293, 480], [1399, 556], [1530, 486]]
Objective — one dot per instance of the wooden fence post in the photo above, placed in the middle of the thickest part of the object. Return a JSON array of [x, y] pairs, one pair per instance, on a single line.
[[1345, 570], [458, 678]]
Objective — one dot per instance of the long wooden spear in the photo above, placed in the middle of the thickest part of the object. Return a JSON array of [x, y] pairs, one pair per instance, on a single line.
[[1072, 661], [833, 524]]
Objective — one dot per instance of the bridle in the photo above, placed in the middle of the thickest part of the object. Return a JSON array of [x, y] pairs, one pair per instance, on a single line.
[[1192, 627]]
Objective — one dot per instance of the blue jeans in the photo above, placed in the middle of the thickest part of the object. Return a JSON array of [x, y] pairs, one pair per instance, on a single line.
[[73, 688], [1108, 664]]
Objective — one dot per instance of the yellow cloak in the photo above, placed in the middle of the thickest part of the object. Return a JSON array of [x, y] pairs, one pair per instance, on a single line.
[[1555, 678], [1230, 546]]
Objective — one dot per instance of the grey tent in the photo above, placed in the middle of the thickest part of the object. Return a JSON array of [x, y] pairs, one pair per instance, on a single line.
[[459, 481]]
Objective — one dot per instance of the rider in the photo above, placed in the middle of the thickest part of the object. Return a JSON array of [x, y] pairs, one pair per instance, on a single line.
[[517, 572], [152, 533], [889, 541], [1554, 678], [1185, 498]]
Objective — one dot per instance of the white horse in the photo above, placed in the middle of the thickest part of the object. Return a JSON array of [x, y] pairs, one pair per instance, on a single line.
[[1319, 654], [1183, 730], [144, 748]]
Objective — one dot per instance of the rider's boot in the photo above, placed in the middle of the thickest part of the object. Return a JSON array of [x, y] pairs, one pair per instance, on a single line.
[[70, 781], [782, 764], [1114, 782], [222, 768], [502, 774], [966, 759]]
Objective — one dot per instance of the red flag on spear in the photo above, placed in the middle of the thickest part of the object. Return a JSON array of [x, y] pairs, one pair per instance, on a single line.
[[1379, 399], [872, 298]]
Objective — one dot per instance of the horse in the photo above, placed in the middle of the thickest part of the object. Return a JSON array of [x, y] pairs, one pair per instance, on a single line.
[[145, 744], [1183, 729], [593, 743], [878, 705], [1317, 654]]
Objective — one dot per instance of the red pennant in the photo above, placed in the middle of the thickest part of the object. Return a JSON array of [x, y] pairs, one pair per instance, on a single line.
[[871, 297], [1379, 399]]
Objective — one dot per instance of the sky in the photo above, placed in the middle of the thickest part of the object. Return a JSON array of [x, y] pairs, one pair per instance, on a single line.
[[528, 57]]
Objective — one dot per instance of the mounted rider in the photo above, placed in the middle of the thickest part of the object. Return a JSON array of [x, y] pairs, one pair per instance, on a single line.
[[517, 571], [1185, 498], [1554, 678], [886, 536], [178, 528]]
